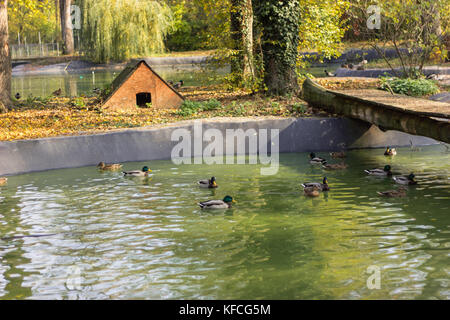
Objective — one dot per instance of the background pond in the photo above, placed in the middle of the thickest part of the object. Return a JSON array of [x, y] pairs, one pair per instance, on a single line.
[[118, 238], [75, 84]]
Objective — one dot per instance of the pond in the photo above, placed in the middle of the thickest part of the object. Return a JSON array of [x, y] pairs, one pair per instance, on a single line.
[[75, 84], [110, 237]]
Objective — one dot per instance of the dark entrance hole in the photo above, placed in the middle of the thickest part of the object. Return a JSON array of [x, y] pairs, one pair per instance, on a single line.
[[143, 98]]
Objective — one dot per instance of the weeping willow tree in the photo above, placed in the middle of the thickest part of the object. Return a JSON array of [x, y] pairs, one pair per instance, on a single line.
[[121, 29]]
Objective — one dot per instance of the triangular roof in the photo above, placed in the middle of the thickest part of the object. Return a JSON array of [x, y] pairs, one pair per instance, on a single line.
[[128, 71]]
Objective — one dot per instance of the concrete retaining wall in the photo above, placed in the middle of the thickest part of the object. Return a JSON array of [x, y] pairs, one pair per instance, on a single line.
[[296, 135]]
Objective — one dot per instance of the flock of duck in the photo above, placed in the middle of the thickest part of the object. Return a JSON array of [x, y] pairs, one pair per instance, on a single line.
[[311, 189]]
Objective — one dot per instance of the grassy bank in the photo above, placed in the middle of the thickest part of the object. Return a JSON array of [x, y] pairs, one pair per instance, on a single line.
[[53, 116]]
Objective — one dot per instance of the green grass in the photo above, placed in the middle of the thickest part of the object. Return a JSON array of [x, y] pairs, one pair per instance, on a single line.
[[409, 87]]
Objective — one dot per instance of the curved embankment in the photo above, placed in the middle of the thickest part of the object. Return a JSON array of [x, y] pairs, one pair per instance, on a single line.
[[389, 111], [295, 135]]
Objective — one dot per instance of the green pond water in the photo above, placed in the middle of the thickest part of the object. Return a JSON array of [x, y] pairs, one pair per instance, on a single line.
[[76, 84], [121, 238], [83, 83]]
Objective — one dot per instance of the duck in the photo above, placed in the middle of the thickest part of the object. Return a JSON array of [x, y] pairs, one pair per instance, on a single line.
[[316, 160], [407, 180], [138, 173], [18, 96], [3, 181], [361, 65], [109, 167], [320, 186], [335, 166], [57, 92], [179, 84], [336, 155], [399, 193], [217, 204], [208, 183], [329, 74], [390, 151], [386, 171], [311, 191]]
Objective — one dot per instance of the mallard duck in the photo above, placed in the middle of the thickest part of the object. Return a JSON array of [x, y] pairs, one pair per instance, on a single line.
[[311, 191], [316, 160], [386, 171], [399, 193], [18, 96], [3, 181], [208, 183], [329, 74], [138, 173], [217, 204], [337, 155], [390, 152], [179, 84], [407, 180], [109, 167], [335, 166], [320, 186], [57, 92]]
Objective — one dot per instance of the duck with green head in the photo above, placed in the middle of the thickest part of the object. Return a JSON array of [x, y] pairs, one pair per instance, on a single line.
[[138, 173], [320, 186], [313, 159], [208, 183], [406, 180], [386, 171], [217, 204]]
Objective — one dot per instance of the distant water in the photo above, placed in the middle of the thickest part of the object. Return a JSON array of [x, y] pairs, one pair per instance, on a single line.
[[119, 238], [75, 84]]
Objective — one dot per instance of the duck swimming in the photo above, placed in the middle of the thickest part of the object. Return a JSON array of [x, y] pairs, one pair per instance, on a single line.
[[320, 186], [316, 160], [311, 191], [336, 155], [335, 166], [386, 171], [208, 183], [390, 152], [138, 173], [399, 193], [109, 167], [3, 181], [406, 180], [217, 204]]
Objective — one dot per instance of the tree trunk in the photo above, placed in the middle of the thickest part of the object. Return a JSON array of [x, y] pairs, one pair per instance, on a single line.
[[66, 27], [5, 59], [280, 23], [242, 35]]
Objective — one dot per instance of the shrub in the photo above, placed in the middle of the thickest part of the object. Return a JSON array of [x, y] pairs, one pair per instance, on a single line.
[[410, 87], [189, 107]]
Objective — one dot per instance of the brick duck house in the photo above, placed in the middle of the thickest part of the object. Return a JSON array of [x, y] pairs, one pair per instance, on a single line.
[[137, 85]]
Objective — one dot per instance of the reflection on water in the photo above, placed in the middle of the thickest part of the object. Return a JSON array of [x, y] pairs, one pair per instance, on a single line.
[[85, 82], [147, 239]]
